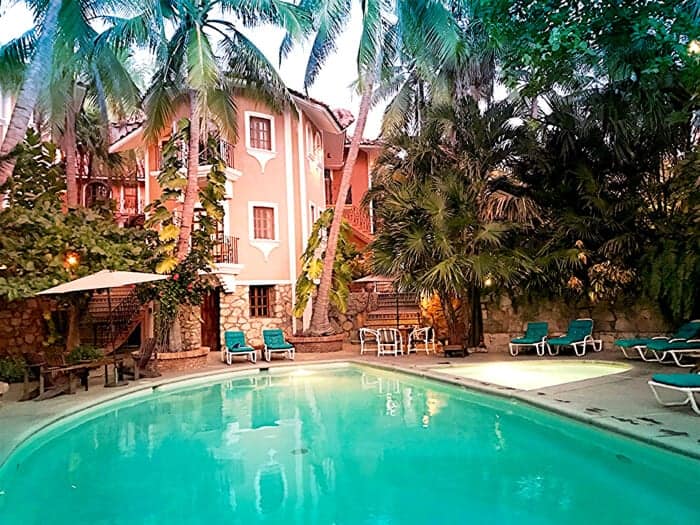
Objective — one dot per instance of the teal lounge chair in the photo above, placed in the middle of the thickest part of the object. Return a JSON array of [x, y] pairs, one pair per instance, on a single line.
[[686, 384], [690, 330], [578, 336], [235, 344], [275, 342], [535, 336], [676, 351]]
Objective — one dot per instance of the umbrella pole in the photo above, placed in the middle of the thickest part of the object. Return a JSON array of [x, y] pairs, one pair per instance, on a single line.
[[396, 298]]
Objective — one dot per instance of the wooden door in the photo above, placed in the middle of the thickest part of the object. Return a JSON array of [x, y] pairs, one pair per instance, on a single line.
[[210, 321]]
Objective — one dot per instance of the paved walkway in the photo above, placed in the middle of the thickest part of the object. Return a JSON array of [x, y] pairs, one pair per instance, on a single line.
[[621, 402]]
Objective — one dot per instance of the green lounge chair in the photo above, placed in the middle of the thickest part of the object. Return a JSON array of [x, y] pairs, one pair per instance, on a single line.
[[535, 336], [275, 342], [675, 351], [578, 336], [639, 345], [235, 344], [686, 384]]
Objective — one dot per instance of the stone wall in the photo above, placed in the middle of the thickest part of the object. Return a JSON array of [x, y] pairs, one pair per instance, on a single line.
[[360, 303], [190, 327], [505, 319], [235, 313], [22, 325]]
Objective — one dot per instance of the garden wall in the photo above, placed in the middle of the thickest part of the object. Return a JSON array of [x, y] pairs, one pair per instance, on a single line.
[[505, 318], [22, 325]]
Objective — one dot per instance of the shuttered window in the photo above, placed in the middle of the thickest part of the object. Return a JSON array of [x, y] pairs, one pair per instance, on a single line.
[[260, 133], [263, 222]]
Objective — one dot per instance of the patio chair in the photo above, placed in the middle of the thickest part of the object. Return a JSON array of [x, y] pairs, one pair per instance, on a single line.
[[235, 344], [421, 339], [390, 342], [639, 345], [686, 384], [535, 336], [578, 336], [368, 337], [275, 342], [675, 351]]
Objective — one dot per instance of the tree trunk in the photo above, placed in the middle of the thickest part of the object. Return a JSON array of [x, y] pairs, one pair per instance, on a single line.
[[70, 153], [320, 324], [475, 332], [192, 189], [29, 93]]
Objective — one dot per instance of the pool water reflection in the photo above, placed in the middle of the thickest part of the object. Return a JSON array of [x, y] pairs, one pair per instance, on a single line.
[[341, 446]]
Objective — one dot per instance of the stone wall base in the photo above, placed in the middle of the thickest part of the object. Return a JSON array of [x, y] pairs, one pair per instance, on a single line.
[[313, 344], [182, 361]]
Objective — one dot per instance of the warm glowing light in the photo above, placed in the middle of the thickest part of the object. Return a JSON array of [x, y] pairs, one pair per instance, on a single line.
[[71, 259], [694, 47], [488, 282]]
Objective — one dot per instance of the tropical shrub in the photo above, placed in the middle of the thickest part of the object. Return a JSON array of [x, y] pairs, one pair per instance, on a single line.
[[12, 369], [83, 353]]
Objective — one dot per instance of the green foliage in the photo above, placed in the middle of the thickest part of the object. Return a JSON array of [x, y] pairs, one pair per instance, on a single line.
[[12, 369], [449, 213], [37, 233], [312, 265], [187, 283], [83, 353]]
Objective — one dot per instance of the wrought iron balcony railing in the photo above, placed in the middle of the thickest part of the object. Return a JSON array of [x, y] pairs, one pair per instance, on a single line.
[[225, 250], [206, 154]]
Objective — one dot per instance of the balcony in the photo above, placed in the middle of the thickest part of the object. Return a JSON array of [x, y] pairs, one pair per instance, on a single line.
[[225, 256], [206, 155]]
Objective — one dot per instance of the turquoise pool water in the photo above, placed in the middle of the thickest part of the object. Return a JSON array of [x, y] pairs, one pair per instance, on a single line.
[[340, 446]]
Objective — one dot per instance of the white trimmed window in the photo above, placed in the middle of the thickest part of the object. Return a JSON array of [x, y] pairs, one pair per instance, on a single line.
[[260, 137], [263, 226]]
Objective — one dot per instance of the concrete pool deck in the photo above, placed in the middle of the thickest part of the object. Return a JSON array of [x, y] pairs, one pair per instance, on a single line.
[[620, 402]]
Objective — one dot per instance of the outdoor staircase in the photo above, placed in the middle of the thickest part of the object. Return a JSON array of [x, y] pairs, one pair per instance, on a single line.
[[127, 313], [360, 224], [386, 313]]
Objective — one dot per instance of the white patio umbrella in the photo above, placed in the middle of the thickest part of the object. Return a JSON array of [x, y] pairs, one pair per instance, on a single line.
[[105, 280]]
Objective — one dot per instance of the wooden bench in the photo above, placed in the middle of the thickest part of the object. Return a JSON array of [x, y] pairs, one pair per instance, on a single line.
[[79, 370]]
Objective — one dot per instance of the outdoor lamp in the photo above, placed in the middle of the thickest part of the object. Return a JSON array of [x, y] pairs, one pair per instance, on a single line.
[[488, 281], [71, 259]]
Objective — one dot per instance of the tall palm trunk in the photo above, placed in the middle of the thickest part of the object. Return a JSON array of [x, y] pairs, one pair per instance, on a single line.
[[29, 93], [69, 145], [475, 331], [192, 188], [320, 323]]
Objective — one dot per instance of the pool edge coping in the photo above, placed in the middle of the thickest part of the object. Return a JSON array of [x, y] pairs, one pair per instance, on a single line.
[[212, 376]]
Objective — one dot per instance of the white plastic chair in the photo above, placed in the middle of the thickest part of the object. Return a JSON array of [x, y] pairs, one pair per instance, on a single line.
[[390, 342], [368, 337], [421, 339]]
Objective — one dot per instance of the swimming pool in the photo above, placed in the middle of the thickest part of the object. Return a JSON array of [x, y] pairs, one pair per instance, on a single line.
[[531, 375], [345, 445]]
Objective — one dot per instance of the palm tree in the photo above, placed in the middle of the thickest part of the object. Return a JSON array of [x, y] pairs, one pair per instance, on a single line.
[[386, 29], [449, 209], [191, 74], [26, 60]]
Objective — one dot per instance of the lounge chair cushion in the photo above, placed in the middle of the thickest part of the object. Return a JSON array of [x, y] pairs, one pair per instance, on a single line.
[[577, 331], [274, 340], [689, 330], [679, 380], [534, 334], [662, 345], [235, 342], [631, 343]]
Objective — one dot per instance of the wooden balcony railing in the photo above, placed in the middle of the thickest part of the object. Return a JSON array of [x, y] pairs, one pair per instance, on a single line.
[[225, 250], [358, 218]]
